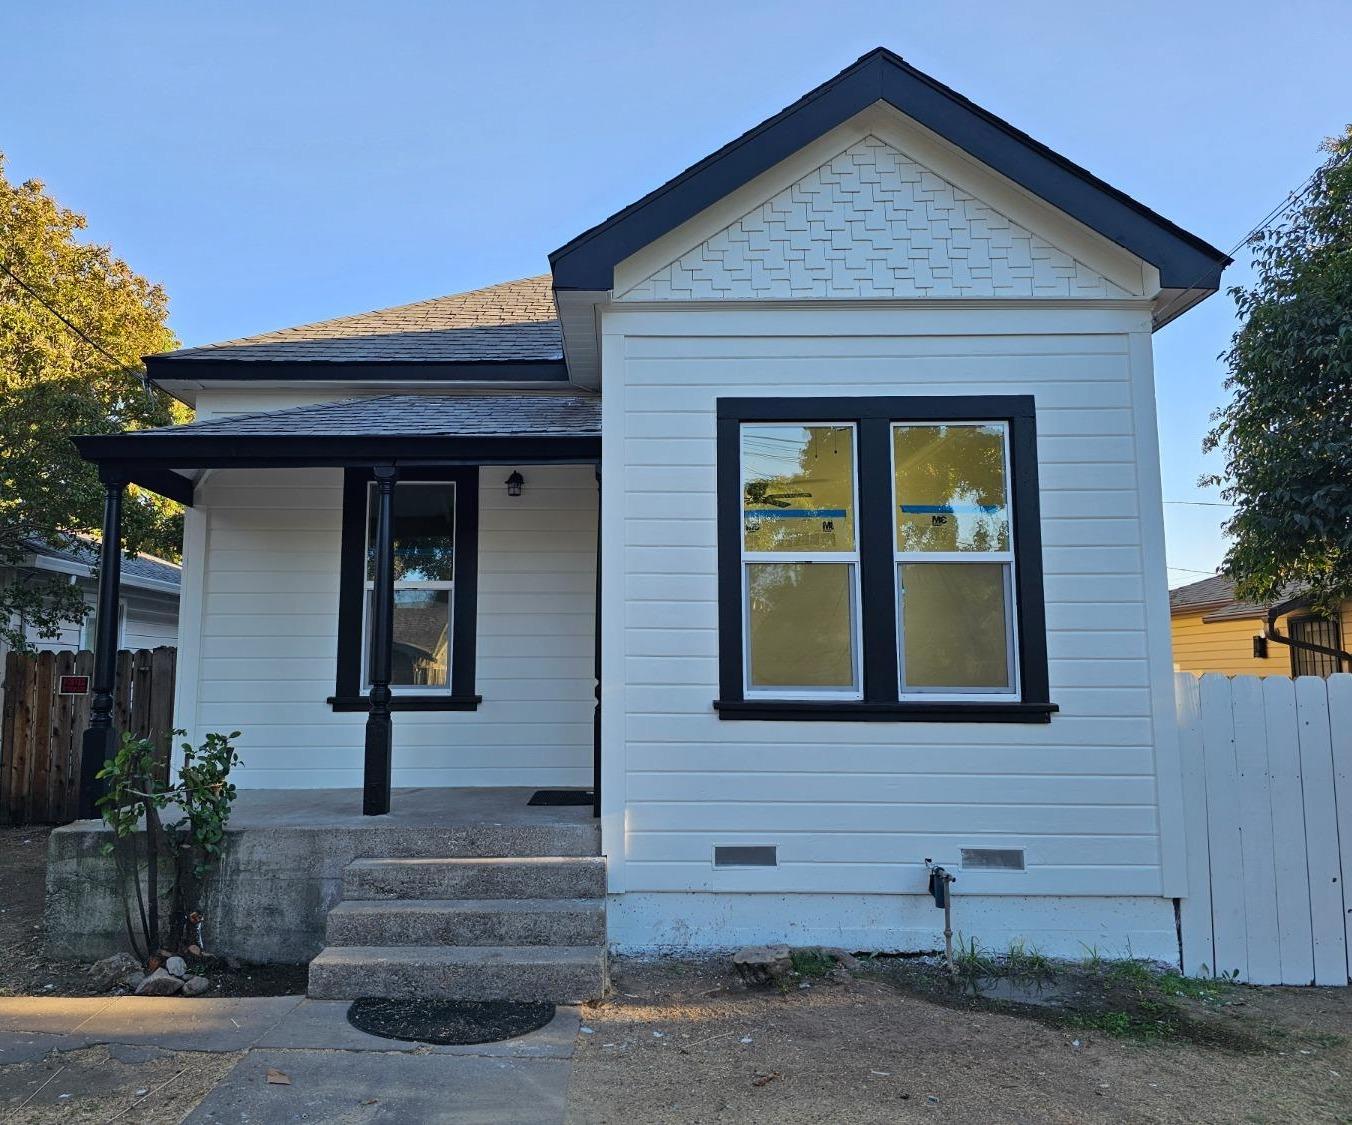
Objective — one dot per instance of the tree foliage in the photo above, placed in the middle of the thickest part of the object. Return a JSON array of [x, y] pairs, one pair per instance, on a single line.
[[53, 385], [1287, 432]]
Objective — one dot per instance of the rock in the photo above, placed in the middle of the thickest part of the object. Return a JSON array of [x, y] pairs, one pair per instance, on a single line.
[[159, 983], [762, 964], [195, 986], [847, 961], [113, 970], [133, 980], [175, 966]]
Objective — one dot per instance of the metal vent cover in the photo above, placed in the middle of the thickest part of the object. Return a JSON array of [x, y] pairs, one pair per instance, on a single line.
[[744, 855], [992, 859]]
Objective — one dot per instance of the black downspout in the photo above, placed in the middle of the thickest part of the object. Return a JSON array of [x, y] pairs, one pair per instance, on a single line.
[[1272, 633], [596, 717], [379, 728], [100, 740]]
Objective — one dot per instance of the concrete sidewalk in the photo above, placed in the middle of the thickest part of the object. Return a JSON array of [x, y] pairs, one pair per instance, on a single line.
[[336, 1072]]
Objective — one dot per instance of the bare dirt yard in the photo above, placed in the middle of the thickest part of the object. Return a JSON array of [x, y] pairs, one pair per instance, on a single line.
[[686, 1042], [26, 970]]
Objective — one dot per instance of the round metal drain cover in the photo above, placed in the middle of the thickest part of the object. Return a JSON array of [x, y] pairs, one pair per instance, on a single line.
[[448, 1022]]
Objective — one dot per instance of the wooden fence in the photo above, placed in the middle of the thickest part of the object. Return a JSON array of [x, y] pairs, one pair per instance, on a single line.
[[42, 730], [1267, 774]]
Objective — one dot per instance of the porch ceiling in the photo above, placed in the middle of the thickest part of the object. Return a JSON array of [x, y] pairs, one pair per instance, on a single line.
[[463, 428]]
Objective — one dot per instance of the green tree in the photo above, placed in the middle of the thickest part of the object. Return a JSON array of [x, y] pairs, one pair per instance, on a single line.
[[1286, 434], [54, 384]]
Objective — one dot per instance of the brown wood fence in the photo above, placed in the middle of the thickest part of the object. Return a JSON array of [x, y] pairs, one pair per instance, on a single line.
[[41, 730]]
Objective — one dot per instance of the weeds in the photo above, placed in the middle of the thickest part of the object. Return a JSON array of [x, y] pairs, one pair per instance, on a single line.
[[812, 961]]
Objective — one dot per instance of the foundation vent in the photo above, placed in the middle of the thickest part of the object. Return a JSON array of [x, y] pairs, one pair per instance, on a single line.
[[992, 859], [729, 855]]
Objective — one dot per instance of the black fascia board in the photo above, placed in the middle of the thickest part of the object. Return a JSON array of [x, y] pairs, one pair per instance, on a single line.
[[163, 368], [146, 451], [1184, 260]]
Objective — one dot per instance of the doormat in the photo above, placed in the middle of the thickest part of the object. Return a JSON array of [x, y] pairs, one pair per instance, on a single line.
[[562, 797], [448, 1023]]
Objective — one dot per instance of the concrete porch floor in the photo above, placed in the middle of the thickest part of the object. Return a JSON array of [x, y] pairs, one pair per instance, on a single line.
[[409, 808]]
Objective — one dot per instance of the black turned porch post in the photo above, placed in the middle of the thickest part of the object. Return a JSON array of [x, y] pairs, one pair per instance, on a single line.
[[379, 728], [100, 740]]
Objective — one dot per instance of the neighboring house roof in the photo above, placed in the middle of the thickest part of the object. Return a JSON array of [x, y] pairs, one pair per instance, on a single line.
[[136, 569], [1215, 596], [1185, 262], [510, 325]]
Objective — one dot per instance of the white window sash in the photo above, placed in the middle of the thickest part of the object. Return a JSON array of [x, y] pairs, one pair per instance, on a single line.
[[1005, 558], [401, 584], [842, 558]]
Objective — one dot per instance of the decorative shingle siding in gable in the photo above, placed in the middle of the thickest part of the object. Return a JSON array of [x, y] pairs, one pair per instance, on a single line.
[[873, 223]]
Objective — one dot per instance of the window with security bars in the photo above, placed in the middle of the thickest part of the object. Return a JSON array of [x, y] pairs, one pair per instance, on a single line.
[[1323, 631]]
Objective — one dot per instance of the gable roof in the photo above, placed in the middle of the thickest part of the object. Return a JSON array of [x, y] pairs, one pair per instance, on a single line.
[[513, 324], [1185, 261]]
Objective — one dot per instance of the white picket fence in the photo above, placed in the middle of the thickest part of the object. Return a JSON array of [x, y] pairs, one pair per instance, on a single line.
[[1267, 776]]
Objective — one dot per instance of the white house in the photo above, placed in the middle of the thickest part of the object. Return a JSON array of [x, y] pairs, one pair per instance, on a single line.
[[147, 615], [867, 400]]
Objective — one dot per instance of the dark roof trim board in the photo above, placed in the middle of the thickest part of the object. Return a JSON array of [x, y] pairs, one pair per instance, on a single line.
[[1184, 261], [469, 428]]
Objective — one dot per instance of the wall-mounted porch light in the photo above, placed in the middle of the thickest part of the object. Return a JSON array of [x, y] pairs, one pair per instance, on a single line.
[[514, 483]]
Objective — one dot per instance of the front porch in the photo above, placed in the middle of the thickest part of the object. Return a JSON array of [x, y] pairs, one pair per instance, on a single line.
[[288, 853], [357, 639]]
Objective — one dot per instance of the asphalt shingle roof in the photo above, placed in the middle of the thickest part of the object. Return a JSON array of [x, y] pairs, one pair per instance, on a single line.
[[136, 566], [464, 414], [516, 320], [1216, 595]]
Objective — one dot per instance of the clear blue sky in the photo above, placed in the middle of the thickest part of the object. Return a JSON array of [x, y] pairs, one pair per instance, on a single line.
[[273, 163]]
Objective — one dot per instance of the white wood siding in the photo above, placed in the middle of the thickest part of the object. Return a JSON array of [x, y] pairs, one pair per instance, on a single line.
[[856, 807], [264, 661]]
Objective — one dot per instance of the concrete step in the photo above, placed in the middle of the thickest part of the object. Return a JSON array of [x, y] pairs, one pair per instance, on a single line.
[[492, 921], [514, 877], [582, 838], [559, 974]]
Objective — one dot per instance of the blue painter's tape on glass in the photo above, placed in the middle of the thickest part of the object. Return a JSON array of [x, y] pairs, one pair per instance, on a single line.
[[795, 513], [948, 509]]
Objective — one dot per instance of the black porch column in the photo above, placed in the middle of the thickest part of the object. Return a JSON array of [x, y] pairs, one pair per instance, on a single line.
[[379, 729], [99, 738]]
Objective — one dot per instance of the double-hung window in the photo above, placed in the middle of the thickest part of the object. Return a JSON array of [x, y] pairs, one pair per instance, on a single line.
[[435, 531], [880, 558], [800, 561]]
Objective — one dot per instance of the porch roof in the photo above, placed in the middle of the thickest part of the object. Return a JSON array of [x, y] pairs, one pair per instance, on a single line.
[[462, 428]]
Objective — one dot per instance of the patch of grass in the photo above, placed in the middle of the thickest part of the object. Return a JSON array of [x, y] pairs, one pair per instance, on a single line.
[[971, 960], [812, 961], [1027, 962]]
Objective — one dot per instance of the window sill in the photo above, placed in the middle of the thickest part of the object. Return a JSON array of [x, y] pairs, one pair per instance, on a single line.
[[813, 710], [409, 702]]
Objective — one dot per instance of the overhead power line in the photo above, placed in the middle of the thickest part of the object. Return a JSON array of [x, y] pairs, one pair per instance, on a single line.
[[65, 320]]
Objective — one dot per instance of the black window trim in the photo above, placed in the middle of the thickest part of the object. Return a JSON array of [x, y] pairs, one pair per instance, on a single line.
[[348, 695], [874, 416]]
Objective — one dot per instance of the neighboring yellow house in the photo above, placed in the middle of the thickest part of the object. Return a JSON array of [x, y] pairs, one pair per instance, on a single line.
[[1213, 632]]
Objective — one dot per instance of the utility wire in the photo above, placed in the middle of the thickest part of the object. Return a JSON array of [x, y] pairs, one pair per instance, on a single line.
[[1290, 201], [1200, 503], [38, 297]]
